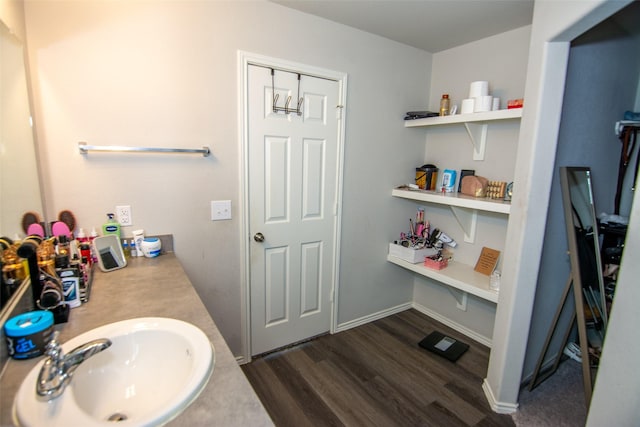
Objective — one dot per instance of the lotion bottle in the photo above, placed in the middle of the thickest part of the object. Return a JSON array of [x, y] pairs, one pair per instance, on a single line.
[[111, 226], [138, 237]]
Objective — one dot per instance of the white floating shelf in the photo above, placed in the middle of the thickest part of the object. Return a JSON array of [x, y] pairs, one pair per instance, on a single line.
[[456, 275], [476, 124], [489, 116], [455, 200]]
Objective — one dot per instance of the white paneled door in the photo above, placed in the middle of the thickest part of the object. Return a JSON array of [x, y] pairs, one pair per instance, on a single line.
[[293, 178]]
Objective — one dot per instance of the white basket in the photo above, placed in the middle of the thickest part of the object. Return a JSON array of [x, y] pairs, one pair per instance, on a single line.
[[409, 254]]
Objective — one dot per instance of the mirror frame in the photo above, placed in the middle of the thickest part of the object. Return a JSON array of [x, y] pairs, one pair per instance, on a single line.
[[108, 250], [567, 182]]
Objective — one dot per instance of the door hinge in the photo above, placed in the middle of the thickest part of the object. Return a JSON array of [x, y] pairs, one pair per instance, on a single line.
[[339, 111]]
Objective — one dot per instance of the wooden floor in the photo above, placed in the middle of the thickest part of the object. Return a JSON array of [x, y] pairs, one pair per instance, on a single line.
[[375, 375]]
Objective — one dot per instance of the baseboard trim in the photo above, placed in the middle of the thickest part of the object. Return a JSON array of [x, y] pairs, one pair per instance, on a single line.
[[498, 407], [422, 309], [397, 309], [354, 323], [372, 317], [453, 325]]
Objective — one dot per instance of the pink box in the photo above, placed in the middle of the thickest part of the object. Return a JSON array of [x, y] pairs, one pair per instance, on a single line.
[[434, 264]]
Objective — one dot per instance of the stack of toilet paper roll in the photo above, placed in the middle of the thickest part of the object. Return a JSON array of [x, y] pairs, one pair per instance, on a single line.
[[479, 99]]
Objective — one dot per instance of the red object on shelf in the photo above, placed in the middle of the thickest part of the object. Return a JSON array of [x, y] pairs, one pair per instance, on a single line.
[[435, 264], [515, 103]]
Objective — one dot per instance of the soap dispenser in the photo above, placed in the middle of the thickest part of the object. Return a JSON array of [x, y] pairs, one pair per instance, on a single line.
[[111, 226]]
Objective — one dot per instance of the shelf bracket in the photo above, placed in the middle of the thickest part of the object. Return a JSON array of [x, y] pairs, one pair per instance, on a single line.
[[468, 220], [460, 297], [478, 135]]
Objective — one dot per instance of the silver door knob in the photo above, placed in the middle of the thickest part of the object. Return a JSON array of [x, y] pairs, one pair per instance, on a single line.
[[258, 237]]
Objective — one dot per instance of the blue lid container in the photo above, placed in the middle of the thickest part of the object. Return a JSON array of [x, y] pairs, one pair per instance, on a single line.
[[28, 334], [151, 247]]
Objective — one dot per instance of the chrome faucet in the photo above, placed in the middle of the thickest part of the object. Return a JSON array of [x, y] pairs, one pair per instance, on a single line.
[[58, 369]]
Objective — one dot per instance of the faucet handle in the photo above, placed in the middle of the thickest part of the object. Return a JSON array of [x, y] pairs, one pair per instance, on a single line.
[[53, 349]]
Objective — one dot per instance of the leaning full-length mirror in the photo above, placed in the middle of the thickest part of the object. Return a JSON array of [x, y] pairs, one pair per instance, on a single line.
[[19, 175], [586, 267]]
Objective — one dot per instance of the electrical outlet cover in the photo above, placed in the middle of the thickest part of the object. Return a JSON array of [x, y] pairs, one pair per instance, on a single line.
[[123, 215]]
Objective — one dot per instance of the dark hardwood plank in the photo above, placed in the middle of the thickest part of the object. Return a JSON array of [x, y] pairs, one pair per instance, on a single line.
[[398, 405], [375, 375], [415, 363], [285, 408]]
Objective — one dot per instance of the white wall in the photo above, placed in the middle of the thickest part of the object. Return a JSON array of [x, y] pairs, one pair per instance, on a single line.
[[12, 14], [616, 395], [501, 60], [164, 73]]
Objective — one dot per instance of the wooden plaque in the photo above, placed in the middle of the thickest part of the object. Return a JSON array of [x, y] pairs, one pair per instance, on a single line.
[[487, 261]]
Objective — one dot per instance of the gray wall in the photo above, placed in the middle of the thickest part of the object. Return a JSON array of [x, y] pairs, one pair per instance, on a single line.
[[602, 80], [165, 73], [501, 60]]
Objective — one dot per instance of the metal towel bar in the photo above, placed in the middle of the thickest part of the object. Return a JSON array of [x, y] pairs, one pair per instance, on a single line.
[[85, 148]]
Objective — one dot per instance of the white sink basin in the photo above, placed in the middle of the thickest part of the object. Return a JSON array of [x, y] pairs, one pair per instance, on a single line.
[[153, 370]]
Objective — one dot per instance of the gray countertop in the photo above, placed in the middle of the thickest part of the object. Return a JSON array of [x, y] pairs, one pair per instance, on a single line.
[[156, 287]]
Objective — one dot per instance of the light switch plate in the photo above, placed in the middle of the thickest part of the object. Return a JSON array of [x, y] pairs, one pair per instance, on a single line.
[[220, 210]]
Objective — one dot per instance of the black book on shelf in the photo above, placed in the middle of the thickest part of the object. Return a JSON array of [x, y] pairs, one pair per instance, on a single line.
[[444, 346], [412, 115]]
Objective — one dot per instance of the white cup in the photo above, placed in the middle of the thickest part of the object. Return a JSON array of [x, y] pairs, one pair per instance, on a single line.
[[496, 104], [467, 106], [483, 103]]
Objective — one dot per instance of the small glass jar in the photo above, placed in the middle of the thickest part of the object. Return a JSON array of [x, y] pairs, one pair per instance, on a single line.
[[444, 105], [494, 281]]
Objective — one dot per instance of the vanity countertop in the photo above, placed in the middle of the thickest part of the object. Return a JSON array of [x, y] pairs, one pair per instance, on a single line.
[[155, 287]]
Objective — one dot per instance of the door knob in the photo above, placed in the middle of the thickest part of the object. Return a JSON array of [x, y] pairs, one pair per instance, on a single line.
[[258, 237]]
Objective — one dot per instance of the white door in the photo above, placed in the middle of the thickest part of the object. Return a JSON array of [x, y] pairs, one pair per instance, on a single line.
[[293, 178]]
